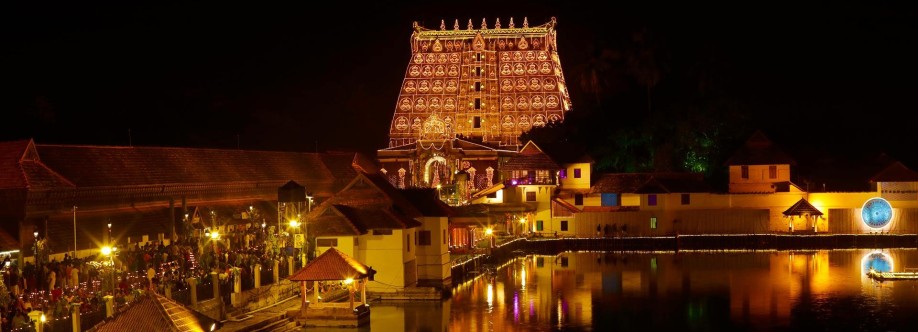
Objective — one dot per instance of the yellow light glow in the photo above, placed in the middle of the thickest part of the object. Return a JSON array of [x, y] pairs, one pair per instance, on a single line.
[[489, 231], [348, 281], [294, 223], [106, 250], [438, 187], [522, 220], [43, 318], [215, 235]]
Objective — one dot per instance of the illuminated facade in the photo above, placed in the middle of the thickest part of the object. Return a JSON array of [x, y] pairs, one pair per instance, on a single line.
[[488, 84]]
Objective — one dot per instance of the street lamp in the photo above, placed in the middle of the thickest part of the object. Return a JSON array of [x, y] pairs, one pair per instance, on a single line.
[[214, 236], [74, 231], [109, 233], [109, 252]]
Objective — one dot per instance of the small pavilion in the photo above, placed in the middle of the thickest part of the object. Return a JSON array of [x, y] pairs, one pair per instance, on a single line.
[[334, 265], [808, 213]]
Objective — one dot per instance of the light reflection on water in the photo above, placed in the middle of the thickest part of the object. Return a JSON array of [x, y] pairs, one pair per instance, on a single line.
[[665, 291]]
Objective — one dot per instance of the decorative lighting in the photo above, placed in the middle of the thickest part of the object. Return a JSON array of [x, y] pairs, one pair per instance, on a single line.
[[489, 231], [214, 235], [294, 223], [348, 281], [106, 250]]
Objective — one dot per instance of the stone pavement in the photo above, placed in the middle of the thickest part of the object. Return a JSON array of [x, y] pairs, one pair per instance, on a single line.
[[273, 318]]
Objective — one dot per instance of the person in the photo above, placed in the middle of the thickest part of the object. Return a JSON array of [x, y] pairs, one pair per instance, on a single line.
[[598, 229], [74, 275], [52, 277], [151, 272]]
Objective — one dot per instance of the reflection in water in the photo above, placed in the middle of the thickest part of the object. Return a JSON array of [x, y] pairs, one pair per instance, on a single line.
[[666, 291], [712, 291], [877, 261]]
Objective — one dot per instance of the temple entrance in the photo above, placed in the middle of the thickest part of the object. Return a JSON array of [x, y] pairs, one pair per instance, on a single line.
[[436, 172]]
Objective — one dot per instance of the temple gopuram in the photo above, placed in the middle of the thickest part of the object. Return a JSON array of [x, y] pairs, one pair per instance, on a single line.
[[467, 96]]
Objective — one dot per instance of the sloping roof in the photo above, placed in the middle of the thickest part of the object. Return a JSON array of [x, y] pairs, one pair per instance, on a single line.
[[530, 159], [331, 265], [564, 204], [11, 174], [155, 312], [759, 150], [329, 221], [96, 166], [651, 183], [802, 207], [376, 218], [425, 200], [895, 172]]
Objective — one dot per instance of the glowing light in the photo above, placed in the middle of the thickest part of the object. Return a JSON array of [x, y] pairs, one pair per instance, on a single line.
[[348, 281], [106, 250], [523, 278], [490, 295], [43, 318], [876, 212], [213, 326], [294, 223], [215, 235], [489, 231], [878, 261], [522, 220]]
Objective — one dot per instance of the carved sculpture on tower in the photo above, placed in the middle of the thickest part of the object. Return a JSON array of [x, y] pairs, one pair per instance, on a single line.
[[485, 84]]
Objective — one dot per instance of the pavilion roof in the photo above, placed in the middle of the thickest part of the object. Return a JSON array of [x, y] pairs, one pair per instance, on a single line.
[[332, 265], [802, 207]]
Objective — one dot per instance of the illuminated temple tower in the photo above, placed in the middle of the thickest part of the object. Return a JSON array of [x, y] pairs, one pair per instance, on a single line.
[[487, 84], [467, 95]]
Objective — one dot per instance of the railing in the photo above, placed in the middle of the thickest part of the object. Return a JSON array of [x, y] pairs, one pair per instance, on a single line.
[[182, 296], [205, 291]]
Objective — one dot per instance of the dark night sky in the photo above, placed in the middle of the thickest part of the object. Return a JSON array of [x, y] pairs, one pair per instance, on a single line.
[[818, 78]]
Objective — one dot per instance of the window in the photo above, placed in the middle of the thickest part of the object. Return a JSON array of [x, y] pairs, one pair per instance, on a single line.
[[492, 195], [408, 242], [652, 200], [424, 238], [576, 173], [543, 176], [578, 199], [609, 199], [356, 241], [686, 199], [476, 121], [478, 56], [382, 232], [772, 172], [540, 261], [562, 174], [477, 107], [744, 170], [563, 261], [477, 71], [563, 225], [530, 196], [326, 242], [477, 86], [653, 222], [538, 225], [444, 236]]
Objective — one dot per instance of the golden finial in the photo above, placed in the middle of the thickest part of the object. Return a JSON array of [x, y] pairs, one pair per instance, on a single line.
[[456, 25], [484, 24], [497, 24], [442, 25], [470, 25], [525, 22], [511, 24]]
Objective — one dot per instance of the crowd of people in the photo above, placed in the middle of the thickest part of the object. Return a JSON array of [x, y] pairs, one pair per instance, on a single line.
[[52, 286]]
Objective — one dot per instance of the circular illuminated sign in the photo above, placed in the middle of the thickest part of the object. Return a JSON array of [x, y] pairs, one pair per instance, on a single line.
[[877, 212], [878, 261]]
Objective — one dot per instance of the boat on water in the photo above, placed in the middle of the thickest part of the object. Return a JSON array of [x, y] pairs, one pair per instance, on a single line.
[[909, 274]]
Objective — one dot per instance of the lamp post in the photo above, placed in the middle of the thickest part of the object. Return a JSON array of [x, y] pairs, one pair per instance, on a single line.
[[214, 236], [109, 233], [109, 252], [74, 231]]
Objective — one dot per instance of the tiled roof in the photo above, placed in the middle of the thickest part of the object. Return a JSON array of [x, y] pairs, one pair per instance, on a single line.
[[530, 162], [376, 217], [40, 176], [895, 172], [95, 166], [154, 312], [620, 182], [802, 207], [331, 265], [610, 208], [425, 199], [759, 150], [11, 173], [328, 221], [564, 204]]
